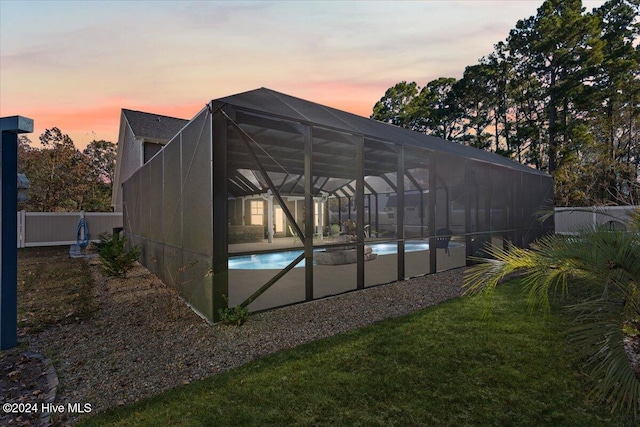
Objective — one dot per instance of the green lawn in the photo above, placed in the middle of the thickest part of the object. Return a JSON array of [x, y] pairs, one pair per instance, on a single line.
[[444, 366]]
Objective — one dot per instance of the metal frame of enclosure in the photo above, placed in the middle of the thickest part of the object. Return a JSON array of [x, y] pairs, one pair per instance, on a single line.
[[264, 200]]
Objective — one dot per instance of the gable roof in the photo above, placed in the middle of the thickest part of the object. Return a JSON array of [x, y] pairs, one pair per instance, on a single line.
[[286, 106], [154, 127]]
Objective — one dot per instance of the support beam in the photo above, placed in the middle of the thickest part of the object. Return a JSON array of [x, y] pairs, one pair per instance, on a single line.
[[220, 242], [269, 198], [369, 213], [244, 202], [377, 215], [467, 209], [400, 211], [360, 213], [308, 213], [320, 209], [370, 188], [271, 282], [391, 184], [10, 127], [286, 177], [294, 184], [432, 212]]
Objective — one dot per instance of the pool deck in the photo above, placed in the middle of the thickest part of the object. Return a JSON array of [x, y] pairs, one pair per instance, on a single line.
[[333, 279], [278, 243], [287, 243]]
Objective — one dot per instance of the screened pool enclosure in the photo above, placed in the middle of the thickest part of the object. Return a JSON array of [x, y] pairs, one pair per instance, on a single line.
[[265, 200]]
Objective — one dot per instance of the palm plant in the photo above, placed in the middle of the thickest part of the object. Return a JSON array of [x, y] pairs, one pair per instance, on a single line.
[[634, 218], [598, 268]]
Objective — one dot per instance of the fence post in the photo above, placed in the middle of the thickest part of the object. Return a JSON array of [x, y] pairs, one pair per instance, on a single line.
[[21, 228], [24, 229]]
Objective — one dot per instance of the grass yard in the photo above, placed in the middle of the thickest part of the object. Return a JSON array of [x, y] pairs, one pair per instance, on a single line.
[[52, 288], [444, 366]]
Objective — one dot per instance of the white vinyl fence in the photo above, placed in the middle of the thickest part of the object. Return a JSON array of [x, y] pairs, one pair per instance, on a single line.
[[570, 220], [61, 228]]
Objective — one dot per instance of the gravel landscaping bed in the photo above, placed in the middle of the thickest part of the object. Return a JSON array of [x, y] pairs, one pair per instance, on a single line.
[[144, 340]]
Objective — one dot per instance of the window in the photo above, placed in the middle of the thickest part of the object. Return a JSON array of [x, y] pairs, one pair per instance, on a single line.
[[257, 212]]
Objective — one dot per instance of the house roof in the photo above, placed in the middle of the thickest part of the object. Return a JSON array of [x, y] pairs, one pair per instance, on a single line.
[[155, 127], [286, 106]]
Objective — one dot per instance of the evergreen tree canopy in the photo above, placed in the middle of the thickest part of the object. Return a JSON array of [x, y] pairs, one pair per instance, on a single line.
[[561, 93]]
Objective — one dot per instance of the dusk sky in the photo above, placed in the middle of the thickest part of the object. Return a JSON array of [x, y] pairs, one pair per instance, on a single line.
[[76, 64]]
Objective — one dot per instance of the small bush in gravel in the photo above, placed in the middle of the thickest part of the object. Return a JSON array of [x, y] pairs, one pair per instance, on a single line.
[[235, 315], [115, 259]]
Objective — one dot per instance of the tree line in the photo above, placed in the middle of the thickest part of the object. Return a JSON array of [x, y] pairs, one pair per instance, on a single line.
[[63, 178], [561, 94]]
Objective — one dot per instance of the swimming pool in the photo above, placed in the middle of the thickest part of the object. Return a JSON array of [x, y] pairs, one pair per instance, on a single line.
[[279, 260]]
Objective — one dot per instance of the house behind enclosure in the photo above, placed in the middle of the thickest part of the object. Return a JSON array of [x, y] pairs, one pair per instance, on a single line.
[[141, 136], [264, 200]]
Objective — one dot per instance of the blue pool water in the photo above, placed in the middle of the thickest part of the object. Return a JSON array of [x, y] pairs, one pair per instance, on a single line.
[[279, 260]]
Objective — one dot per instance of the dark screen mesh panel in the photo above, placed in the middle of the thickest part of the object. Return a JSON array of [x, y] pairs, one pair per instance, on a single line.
[[334, 176], [362, 208], [172, 199], [501, 193], [450, 189], [481, 190], [132, 207], [265, 160], [380, 176], [280, 104], [263, 100], [150, 150], [532, 193], [248, 273], [195, 282], [546, 187], [416, 193], [319, 114], [416, 211], [156, 196], [144, 208], [196, 185], [517, 203], [381, 189]]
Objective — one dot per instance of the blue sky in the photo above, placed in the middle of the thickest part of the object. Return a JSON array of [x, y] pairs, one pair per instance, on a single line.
[[75, 64]]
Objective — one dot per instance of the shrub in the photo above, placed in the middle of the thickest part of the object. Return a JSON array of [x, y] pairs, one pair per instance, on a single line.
[[235, 315], [635, 220], [115, 259], [600, 270]]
